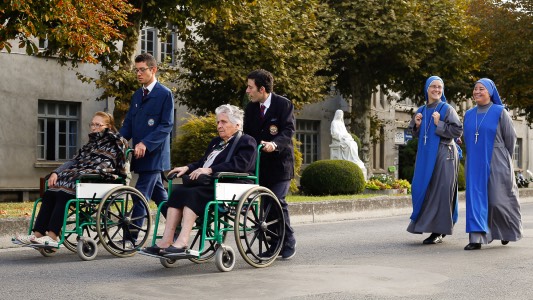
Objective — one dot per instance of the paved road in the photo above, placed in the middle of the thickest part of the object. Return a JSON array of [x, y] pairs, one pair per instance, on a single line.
[[363, 259]]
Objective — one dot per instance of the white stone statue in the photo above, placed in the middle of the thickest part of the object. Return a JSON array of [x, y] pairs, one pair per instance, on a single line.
[[343, 146]]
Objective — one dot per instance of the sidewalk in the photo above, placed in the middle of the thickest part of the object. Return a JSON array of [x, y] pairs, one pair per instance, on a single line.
[[311, 212]]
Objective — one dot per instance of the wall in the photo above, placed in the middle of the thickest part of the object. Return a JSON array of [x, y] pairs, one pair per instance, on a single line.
[[24, 80]]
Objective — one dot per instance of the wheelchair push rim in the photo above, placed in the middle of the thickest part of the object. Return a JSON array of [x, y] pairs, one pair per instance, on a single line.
[[115, 225]]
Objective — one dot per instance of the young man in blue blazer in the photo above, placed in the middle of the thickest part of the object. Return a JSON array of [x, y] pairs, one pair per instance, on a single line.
[[148, 124]]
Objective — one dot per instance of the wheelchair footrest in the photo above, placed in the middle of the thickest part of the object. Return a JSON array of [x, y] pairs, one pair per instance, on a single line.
[[185, 255], [49, 245]]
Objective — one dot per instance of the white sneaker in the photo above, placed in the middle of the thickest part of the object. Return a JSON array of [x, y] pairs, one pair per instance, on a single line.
[[25, 239], [43, 240]]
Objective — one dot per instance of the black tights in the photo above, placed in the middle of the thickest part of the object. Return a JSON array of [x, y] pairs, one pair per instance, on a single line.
[[52, 212]]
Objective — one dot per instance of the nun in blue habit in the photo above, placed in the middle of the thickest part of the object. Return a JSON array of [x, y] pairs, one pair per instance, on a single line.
[[434, 186], [492, 204]]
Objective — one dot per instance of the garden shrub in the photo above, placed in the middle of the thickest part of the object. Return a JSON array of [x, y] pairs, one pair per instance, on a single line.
[[190, 145], [332, 177], [386, 182]]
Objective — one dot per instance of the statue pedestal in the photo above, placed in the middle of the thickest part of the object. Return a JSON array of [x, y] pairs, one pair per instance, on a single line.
[[335, 152]]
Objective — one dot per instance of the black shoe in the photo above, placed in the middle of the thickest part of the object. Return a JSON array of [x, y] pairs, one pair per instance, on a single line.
[[504, 242], [473, 246], [173, 250], [154, 250], [266, 254], [289, 248], [434, 238]]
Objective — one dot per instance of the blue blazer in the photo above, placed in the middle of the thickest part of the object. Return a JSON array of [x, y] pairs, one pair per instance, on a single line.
[[151, 122], [242, 160], [277, 126]]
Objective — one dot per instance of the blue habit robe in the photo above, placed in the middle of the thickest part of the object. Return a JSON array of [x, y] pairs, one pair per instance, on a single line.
[[426, 158], [478, 164]]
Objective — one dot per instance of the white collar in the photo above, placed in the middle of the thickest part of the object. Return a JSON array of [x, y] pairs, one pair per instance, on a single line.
[[268, 101], [150, 87]]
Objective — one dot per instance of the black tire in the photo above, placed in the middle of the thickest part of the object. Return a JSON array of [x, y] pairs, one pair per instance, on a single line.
[[47, 252], [114, 223], [168, 263], [87, 248], [259, 227]]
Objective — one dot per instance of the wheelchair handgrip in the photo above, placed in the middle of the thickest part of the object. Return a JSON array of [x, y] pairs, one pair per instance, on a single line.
[[172, 176]]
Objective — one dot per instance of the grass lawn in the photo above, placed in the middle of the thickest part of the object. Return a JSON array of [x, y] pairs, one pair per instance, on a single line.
[[24, 209]]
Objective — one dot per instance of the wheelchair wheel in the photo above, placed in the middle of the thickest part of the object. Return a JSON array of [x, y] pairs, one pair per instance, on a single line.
[[46, 252], [87, 216], [87, 248], [210, 246], [225, 258], [116, 225], [168, 263], [259, 227]]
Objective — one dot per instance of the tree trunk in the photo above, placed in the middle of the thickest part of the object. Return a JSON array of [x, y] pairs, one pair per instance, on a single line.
[[360, 116], [129, 49]]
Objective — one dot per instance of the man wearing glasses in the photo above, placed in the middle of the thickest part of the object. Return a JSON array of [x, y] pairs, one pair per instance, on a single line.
[[148, 123]]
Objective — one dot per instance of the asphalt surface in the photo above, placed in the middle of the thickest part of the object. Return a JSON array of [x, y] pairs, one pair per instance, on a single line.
[[370, 258]]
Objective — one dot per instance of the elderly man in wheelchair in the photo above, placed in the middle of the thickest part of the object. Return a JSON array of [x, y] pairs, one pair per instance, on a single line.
[[103, 156]]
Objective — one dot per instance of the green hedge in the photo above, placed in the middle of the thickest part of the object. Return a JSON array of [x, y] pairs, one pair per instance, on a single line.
[[332, 177]]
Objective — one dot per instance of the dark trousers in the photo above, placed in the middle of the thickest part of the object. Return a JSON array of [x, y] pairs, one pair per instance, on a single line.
[[52, 212], [151, 186], [280, 189]]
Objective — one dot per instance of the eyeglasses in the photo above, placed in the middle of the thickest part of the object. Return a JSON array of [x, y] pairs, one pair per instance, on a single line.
[[96, 125], [142, 70], [436, 87]]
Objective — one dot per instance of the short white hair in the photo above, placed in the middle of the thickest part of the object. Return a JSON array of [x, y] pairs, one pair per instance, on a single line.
[[234, 113]]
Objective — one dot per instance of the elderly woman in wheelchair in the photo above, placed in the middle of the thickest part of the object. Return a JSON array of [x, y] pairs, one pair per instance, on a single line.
[[104, 154], [231, 151]]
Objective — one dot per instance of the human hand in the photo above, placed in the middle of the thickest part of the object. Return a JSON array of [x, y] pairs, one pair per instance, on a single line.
[[179, 171], [140, 150], [196, 173], [52, 180], [268, 146], [436, 117], [418, 119]]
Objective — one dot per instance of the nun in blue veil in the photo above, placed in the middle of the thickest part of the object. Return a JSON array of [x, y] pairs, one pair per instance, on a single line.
[[434, 186], [492, 204]]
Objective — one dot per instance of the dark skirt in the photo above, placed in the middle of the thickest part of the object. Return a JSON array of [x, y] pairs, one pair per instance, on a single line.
[[195, 198]]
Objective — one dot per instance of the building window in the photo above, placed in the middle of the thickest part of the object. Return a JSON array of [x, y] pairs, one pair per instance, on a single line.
[[43, 44], [59, 130], [148, 41], [167, 49], [517, 156], [307, 132]]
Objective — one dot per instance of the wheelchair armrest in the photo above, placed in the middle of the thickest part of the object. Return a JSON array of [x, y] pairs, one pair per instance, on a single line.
[[171, 176], [90, 176], [229, 174]]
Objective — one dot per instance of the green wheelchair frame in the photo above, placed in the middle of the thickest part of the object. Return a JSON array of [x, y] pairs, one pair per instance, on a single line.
[[251, 211], [91, 220]]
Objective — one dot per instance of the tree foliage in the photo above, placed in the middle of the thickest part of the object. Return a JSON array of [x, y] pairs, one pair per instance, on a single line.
[[396, 45], [78, 30], [506, 33], [226, 42]]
